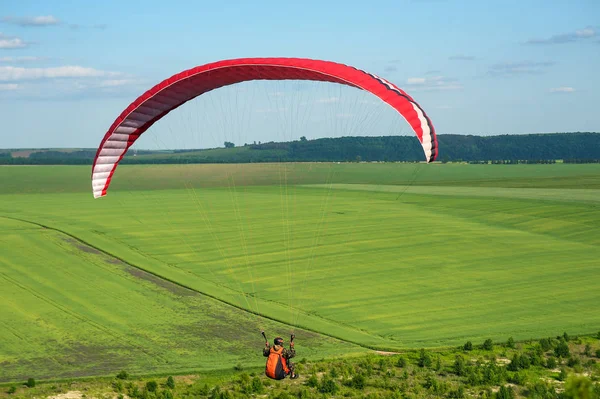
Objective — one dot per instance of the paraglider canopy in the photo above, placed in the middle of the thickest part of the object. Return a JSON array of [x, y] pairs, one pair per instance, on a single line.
[[182, 87]]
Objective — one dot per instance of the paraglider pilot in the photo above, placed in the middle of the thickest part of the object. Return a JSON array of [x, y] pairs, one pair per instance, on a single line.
[[278, 362]]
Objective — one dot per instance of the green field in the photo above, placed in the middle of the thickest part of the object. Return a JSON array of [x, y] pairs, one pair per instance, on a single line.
[[388, 256]]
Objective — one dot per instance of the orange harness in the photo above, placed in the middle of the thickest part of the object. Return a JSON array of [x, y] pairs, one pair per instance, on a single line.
[[276, 367]]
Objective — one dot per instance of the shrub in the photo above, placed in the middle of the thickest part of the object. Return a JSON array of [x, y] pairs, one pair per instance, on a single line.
[[562, 349], [151, 386], [459, 365], [588, 350], [117, 385], [11, 390], [358, 382], [30, 382], [551, 362], [328, 386], [468, 346], [488, 345], [579, 387], [424, 359], [312, 381], [598, 353], [505, 392], [545, 344], [510, 343], [401, 362], [170, 382], [123, 375], [563, 375]]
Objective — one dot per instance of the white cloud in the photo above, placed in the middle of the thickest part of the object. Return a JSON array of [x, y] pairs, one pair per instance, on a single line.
[[519, 68], [115, 82], [43, 20], [578, 35], [433, 83], [22, 59], [461, 57], [11, 42], [10, 73], [563, 89], [328, 100], [8, 86]]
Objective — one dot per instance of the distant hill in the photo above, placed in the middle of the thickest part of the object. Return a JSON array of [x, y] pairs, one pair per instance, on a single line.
[[571, 147]]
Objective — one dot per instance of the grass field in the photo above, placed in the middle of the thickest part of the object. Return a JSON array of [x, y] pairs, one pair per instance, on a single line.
[[464, 252]]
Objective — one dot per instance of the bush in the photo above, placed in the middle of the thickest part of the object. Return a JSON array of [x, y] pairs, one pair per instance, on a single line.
[[562, 376], [573, 361], [151, 386], [468, 346], [459, 366], [123, 375], [170, 382], [488, 345], [459, 393], [358, 382], [11, 390], [257, 385], [312, 381], [551, 362], [510, 343], [588, 350], [328, 386], [117, 385], [424, 359], [598, 353], [401, 362], [505, 392], [545, 344], [562, 349], [30, 383], [579, 387]]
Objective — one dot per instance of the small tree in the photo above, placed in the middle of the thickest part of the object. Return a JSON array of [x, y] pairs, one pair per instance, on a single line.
[[229, 144], [170, 382], [505, 392], [328, 386], [303, 138], [257, 385], [562, 349], [123, 375], [510, 343], [468, 346], [459, 366], [30, 382], [578, 387], [488, 345], [151, 386], [424, 359], [545, 344], [401, 362]]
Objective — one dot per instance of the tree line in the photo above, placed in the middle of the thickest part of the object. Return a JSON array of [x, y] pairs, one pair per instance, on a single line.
[[577, 147]]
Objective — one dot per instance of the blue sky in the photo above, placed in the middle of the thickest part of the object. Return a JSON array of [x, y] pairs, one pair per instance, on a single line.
[[68, 68]]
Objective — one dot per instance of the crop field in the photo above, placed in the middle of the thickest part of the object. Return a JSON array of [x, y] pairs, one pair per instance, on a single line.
[[387, 256]]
